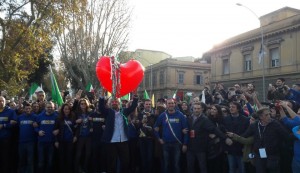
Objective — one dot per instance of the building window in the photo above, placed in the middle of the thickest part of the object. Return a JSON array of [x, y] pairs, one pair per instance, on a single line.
[[275, 57], [180, 78], [225, 66], [142, 84], [248, 62], [161, 77], [154, 79], [198, 80]]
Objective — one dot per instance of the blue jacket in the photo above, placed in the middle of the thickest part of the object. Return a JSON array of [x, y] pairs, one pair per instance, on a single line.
[[109, 115], [132, 131], [26, 129], [177, 121], [294, 95], [290, 123], [84, 127], [6, 116], [294, 125], [297, 143], [47, 124], [295, 131]]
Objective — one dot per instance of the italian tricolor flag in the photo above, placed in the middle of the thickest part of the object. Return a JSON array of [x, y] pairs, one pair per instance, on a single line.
[[34, 88], [89, 88]]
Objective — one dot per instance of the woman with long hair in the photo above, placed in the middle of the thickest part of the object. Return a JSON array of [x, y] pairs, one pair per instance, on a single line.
[[65, 138], [83, 133], [184, 108]]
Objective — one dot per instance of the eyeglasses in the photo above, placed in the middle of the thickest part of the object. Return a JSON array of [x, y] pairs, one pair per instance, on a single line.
[[224, 111]]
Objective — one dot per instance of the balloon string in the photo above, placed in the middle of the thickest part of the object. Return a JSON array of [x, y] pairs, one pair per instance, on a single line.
[[118, 76], [115, 77]]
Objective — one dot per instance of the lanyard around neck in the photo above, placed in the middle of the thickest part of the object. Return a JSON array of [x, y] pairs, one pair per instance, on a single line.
[[258, 126]]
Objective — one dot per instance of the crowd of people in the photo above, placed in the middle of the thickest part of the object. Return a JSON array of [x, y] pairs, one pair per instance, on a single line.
[[223, 130]]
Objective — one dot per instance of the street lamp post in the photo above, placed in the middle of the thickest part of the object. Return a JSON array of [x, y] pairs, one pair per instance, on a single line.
[[151, 80], [262, 53]]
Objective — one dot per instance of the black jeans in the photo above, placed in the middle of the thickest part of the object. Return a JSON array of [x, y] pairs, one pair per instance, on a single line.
[[45, 157], [65, 152], [84, 145], [146, 150], [200, 157], [26, 157], [270, 164], [117, 150], [216, 165], [98, 157], [5, 159]]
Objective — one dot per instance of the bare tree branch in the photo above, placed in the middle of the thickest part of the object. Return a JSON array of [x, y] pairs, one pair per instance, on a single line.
[[99, 27]]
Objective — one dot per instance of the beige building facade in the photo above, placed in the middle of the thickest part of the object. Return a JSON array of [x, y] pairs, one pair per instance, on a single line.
[[240, 59], [145, 57], [169, 75]]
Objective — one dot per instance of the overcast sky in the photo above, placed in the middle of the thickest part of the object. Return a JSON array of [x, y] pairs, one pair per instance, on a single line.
[[192, 27]]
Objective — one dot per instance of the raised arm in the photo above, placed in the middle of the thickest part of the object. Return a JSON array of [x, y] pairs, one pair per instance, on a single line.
[[289, 110], [101, 105], [131, 108]]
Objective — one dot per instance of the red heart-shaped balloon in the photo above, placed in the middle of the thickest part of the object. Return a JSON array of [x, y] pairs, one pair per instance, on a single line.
[[131, 75]]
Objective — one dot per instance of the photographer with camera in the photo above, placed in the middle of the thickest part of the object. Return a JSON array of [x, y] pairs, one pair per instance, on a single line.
[[219, 88], [146, 136], [207, 95], [218, 98]]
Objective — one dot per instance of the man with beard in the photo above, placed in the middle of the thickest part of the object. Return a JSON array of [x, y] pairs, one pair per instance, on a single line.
[[46, 137], [173, 123], [200, 128], [115, 134], [276, 92]]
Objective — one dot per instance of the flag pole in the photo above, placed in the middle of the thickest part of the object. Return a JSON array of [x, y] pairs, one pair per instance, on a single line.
[[55, 92], [262, 48]]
